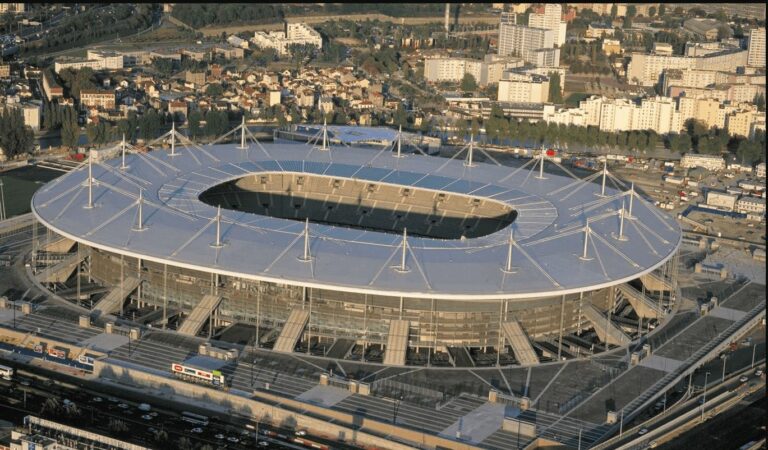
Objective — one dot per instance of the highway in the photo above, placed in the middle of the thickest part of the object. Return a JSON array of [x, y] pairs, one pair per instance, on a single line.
[[666, 425]]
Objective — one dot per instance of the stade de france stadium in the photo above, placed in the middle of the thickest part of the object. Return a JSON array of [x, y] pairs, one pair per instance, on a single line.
[[345, 252]]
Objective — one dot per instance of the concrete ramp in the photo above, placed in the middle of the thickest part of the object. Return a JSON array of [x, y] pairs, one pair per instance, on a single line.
[[643, 306], [606, 330], [520, 343], [112, 301], [654, 282], [196, 319], [397, 343], [292, 330], [61, 271], [63, 245]]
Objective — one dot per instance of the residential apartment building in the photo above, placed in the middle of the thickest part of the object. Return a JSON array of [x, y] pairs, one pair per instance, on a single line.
[[756, 48], [739, 122], [196, 78], [95, 98], [295, 33], [611, 47], [733, 93], [564, 116], [708, 110], [750, 205], [179, 107], [721, 200], [523, 88], [760, 170], [662, 49], [14, 8], [699, 49], [646, 69], [614, 115], [709, 162], [96, 60], [453, 69], [51, 88], [595, 31], [5, 70], [31, 112], [549, 17], [485, 72], [533, 45], [724, 86]]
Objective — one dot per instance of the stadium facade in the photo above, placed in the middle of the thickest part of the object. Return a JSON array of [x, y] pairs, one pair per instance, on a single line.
[[380, 256]]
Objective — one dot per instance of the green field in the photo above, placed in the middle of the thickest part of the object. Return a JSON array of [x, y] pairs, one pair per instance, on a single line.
[[20, 184]]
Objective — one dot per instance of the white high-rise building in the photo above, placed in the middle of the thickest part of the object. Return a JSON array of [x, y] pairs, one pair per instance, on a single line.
[[488, 71], [647, 69], [524, 42], [550, 18], [613, 115], [523, 88], [756, 57]]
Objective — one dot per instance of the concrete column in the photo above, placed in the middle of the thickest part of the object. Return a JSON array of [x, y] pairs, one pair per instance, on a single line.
[[560, 339], [165, 295]]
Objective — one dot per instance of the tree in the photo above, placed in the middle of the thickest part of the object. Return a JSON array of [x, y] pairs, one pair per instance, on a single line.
[[462, 130], [468, 83], [652, 11], [149, 125], [662, 9], [614, 11], [70, 131], [217, 122], [295, 115], [15, 137], [184, 443], [301, 53], [723, 32], [195, 117], [214, 89], [97, 133], [475, 128], [554, 88], [749, 152], [280, 116], [759, 101], [400, 117], [681, 143], [631, 11], [340, 118]]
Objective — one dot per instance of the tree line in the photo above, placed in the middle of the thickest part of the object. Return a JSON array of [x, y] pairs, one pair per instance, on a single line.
[[695, 138], [93, 25], [15, 137]]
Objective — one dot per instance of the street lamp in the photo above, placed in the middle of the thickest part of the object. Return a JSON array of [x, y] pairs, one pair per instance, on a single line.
[[754, 347], [725, 358], [395, 407], [704, 400]]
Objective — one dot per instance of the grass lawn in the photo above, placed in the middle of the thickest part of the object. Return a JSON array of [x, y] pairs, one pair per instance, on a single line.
[[20, 184]]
